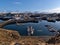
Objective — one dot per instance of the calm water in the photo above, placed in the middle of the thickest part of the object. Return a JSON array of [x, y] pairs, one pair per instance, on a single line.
[[1, 21], [40, 29]]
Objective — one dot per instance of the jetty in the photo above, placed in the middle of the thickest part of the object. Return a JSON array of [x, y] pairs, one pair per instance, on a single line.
[[50, 28], [11, 21], [2, 24]]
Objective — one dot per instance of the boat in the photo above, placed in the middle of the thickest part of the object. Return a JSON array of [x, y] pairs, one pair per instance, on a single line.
[[30, 31], [51, 19]]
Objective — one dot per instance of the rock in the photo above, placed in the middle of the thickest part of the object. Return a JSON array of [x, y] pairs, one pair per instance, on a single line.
[[7, 36]]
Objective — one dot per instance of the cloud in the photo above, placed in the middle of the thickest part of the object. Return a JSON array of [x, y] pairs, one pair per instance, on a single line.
[[55, 10], [17, 2]]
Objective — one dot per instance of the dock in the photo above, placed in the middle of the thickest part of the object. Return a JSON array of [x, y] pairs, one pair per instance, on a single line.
[[2, 24], [50, 28]]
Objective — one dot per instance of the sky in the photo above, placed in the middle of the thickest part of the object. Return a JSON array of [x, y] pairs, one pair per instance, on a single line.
[[30, 5]]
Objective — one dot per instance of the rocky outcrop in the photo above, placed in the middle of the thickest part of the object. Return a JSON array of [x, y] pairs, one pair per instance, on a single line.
[[54, 40], [8, 36]]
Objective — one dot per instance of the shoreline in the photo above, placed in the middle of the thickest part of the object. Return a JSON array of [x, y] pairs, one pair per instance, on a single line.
[[16, 38]]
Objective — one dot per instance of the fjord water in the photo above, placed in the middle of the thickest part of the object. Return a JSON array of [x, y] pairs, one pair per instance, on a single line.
[[39, 28]]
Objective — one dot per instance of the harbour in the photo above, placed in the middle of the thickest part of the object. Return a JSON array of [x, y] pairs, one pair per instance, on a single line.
[[41, 30]]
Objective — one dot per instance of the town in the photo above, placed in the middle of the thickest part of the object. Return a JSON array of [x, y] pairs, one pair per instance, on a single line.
[[31, 16]]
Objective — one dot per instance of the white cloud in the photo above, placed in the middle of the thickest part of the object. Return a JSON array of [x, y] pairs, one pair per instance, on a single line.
[[55, 10], [17, 2]]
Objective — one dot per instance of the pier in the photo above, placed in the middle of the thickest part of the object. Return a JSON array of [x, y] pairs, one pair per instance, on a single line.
[[6, 23]]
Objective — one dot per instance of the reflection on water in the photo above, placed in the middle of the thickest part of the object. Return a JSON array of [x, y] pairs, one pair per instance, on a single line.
[[39, 28]]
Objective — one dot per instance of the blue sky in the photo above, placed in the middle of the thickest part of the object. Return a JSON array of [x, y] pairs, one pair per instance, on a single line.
[[29, 5]]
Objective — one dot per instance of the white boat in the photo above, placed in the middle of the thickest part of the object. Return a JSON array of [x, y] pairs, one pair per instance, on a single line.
[[30, 30]]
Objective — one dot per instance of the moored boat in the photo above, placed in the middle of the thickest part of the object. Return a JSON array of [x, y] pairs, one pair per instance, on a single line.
[[30, 30]]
